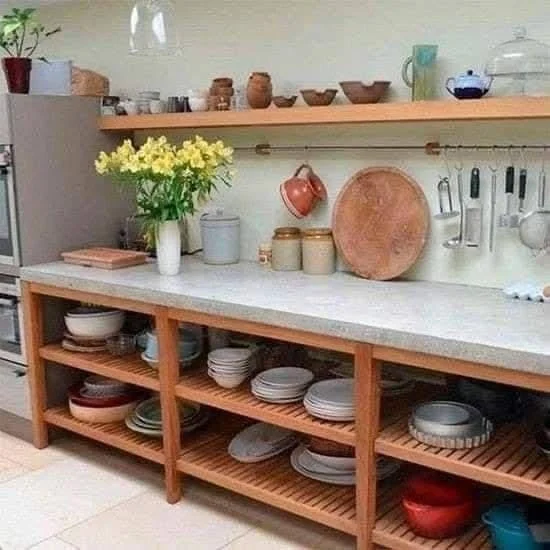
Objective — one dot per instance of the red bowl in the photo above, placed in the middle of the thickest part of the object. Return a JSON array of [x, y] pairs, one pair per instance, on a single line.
[[439, 506], [99, 402]]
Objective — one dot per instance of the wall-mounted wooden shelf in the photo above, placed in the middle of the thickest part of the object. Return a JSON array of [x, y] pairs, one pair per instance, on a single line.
[[508, 108], [130, 369], [196, 385]]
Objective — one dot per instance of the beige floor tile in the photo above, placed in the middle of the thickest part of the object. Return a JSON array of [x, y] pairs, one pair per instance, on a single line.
[[147, 522], [53, 544], [44, 502], [9, 470], [27, 455]]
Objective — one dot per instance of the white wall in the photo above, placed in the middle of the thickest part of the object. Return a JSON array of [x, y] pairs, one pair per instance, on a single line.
[[318, 43]]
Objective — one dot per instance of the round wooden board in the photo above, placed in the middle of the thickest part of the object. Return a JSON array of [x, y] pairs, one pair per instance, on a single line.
[[380, 222]]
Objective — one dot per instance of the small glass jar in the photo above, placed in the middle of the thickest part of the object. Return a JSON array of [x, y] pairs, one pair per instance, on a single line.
[[287, 249], [318, 252], [264, 254]]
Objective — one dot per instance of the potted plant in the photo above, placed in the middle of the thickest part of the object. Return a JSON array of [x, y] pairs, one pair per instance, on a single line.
[[20, 36], [170, 182]]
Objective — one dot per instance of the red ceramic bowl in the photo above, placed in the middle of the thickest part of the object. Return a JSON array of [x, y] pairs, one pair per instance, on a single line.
[[438, 506]]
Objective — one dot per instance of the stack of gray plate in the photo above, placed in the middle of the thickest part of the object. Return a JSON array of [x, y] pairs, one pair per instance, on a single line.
[[331, 400], [450, 425], [282, 384]]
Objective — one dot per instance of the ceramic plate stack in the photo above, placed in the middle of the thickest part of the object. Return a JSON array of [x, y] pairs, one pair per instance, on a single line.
[[146, 418], [335, 470], [230, 367], [260, 442], [282, 384], [331, 400]]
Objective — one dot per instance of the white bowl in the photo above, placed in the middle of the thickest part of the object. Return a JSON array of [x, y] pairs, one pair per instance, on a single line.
[[228, 381], [101, 415], [99, 327]]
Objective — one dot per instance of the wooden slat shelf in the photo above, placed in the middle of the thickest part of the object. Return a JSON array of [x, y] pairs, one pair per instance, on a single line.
[[391, 529], [117, 434], [272, 481], [130, 368], [196, 385], [505, 108], [510, 461]]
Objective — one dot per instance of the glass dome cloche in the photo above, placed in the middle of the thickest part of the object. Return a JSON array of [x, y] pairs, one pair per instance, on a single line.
[[521, 59]]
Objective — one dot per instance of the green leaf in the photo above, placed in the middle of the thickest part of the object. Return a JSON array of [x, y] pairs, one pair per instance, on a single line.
[[9, 28]]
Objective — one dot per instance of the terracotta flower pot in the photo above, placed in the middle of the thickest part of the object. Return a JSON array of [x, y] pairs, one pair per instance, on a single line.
[[18, 74], [301, 193]]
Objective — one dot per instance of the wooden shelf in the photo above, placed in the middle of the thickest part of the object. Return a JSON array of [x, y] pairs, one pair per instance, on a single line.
[[196, 385], [511, 460], [391, 529], [117, 435], [506, 108], [272, 481], [130, 368]]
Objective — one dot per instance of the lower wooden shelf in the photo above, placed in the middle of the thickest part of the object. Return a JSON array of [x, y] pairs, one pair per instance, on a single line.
[[196, 385], [392, 531], [117, 435], [273, 482], [511, 460], [130, 369]]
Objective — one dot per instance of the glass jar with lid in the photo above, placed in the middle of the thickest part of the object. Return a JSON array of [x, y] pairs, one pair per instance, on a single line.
[[286, 249], [318, 252]]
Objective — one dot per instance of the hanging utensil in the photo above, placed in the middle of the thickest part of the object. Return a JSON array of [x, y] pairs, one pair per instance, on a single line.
[[493, 169], [515, 218], [505, 219], [534, 228], [458, 241], [474, 212], [444, 194]]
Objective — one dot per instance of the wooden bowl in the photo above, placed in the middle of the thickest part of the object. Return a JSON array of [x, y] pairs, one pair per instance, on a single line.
[[357, 92], [284, 101], [315, 98]]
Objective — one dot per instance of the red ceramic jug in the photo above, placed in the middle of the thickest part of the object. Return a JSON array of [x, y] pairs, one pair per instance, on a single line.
[[302, 191]]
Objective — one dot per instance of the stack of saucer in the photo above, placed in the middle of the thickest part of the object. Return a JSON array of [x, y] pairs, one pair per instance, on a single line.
[[282, 384], [331, 400], [230, 367], [146, 418], [260, 442]]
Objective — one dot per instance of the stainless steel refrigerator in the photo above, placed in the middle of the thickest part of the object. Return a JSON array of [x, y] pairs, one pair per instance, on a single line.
[[51, 200]]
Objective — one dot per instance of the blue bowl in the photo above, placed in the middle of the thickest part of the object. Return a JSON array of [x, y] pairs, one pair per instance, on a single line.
[[509, 529]]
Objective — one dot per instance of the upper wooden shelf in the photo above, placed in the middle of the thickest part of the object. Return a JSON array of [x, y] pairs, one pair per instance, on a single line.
[[509, 108]]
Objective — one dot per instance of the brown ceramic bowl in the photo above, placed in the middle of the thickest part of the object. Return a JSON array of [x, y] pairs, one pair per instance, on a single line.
[[223, 81], [329, 448], [315, 98], [357, 92], [284, 101]]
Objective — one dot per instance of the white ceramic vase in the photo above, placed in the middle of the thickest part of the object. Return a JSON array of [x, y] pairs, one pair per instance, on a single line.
[[169, 247]]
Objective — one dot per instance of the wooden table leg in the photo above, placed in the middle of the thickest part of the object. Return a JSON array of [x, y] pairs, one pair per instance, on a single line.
[[367, 399], [167, 331], [34, 339]]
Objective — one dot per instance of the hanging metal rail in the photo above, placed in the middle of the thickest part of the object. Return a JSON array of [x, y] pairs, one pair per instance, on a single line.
[[431, 148]]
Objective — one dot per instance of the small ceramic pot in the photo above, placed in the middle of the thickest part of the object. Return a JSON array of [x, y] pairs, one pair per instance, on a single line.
[[259, 78], [303, 191], [222, 81], [131, 107], [156, 106], [198, 104], [259, 90]]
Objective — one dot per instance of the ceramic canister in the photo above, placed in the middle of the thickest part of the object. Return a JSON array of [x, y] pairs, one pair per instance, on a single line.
[[286, 253], [221, 238], [318, 252]]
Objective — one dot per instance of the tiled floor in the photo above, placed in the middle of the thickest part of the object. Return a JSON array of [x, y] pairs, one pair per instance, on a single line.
[[76, 494]]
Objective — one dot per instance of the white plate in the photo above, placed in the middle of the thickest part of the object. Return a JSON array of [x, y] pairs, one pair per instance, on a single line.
[[285, 377], [344, 463], [307, 462], [278, 401], [335, 480], [338, 392], [261, 441]]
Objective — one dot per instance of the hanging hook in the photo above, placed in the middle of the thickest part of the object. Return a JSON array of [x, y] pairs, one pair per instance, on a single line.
[[494, 167], [459, 165], [522, 156], [446, 161], [306, 154], [510, 148]]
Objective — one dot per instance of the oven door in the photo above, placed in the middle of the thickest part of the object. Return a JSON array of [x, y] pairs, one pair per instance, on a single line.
[[9, 245], [14, 390], [11, 330]]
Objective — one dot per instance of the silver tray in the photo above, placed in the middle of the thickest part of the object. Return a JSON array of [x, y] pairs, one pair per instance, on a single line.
[[453, 442]]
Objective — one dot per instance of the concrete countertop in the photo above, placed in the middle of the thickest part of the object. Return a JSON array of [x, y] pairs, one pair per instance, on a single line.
[[462, 322]]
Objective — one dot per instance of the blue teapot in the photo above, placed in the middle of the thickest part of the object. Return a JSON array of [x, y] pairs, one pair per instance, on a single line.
[[468, 86]]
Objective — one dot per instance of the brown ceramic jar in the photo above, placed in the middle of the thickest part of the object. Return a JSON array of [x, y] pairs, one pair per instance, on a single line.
[[286, 249], [259, 90], [318, 252]]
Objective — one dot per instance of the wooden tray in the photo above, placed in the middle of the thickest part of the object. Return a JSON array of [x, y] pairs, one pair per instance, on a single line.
[[105, 258], [380, 222]]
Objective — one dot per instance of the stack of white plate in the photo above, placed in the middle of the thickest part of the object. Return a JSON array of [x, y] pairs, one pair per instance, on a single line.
[[282, 384], [260, 442], [331, 400], [230, 367]]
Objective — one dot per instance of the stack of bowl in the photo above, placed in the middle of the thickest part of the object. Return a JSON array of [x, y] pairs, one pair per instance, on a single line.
[[230, 367], [198, 100], [221, 93], [189, 348], [102, 400], [259, 90], [144, 98], [88, 328]]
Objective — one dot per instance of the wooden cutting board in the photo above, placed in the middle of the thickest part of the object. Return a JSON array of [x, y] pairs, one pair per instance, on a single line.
[[380, 222], [105, 258]]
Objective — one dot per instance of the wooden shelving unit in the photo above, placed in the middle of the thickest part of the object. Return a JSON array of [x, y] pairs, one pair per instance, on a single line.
[[116, 435], [196, 385], [511, 460], [130, 369], [506, 108]]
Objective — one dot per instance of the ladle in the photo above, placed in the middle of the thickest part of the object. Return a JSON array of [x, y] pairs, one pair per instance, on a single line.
[[458, 241]]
